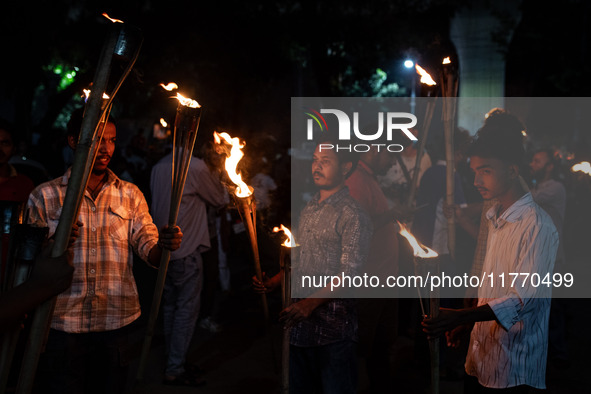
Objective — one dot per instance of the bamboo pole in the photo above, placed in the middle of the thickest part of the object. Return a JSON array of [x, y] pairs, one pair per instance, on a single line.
[[185, 132], [434, 342], [83, 155], [247, 208], [430, 265], [449, 85], [285, 264], [421, 149]]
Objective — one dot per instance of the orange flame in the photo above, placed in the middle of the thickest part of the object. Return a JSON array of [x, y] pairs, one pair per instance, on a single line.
[[418, 249], [290, 241], [163, 122], [425, 77], [447, 60], [87, 94], [111, 19], [187, 102], [583, 166], [170, 86], [236, 154]]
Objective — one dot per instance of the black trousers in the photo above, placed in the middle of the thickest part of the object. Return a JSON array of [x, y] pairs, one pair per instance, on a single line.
[[84, 363]]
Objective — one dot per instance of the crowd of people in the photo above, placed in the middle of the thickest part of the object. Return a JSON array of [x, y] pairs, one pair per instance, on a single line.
[[510, 218]]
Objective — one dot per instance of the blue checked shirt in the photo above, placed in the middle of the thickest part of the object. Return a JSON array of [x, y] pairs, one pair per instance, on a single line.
[[334, 239]]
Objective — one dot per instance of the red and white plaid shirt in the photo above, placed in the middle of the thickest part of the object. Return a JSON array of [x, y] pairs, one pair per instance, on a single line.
[[103, 295]]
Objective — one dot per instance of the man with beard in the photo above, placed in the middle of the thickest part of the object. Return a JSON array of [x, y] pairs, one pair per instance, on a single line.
[[91, 321], [333, 235], [509, 338]]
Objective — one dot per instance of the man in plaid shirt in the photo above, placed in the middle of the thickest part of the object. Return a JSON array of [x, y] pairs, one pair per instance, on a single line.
[[91, 320]]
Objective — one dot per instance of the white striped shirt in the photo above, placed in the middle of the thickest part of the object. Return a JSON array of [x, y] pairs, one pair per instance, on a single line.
[[512, 350]]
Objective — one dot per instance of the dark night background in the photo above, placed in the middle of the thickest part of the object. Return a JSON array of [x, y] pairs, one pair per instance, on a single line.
[[243, 61]]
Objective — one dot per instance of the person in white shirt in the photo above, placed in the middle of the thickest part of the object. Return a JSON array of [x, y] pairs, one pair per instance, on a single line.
[[509, 339]]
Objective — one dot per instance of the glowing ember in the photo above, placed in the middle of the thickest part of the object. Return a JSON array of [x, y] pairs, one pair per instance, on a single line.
[[236, 154], [111, 19], [418, 249], [187, 102], [163, 122], [290, 241], [170, 86], [447, 60], [584, 167], [425, 77], [87, 94]]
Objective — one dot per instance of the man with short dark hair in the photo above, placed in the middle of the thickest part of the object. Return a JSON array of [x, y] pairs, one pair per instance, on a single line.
[[333, 235], [91, 321], [509, 339]]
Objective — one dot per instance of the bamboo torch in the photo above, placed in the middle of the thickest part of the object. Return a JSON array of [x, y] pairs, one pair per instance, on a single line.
[[124, 43], [449, 90], [285, 264], [186, 124], [429, 86], [244, 200], [426, 264]]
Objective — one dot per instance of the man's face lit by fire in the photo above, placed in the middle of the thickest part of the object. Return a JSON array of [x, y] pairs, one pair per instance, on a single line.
[[327, 172], [106, 149], [492, 177]]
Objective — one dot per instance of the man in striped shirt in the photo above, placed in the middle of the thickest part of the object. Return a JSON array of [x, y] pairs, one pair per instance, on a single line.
[[509, 340], [90, 325]]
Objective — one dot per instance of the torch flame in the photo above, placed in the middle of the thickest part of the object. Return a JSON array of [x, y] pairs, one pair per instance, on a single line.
[[170, 86], [425, 77], [447, 60], [187, 102], [111, 19], [290, 241], [584, 167], [236, 154], [87, 94], [419, 250], [163, 122]]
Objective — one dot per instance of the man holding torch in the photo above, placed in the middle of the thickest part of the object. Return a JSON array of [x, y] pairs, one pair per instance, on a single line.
[[184, 279], [509, 339], [334, 235], [91, 320]]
